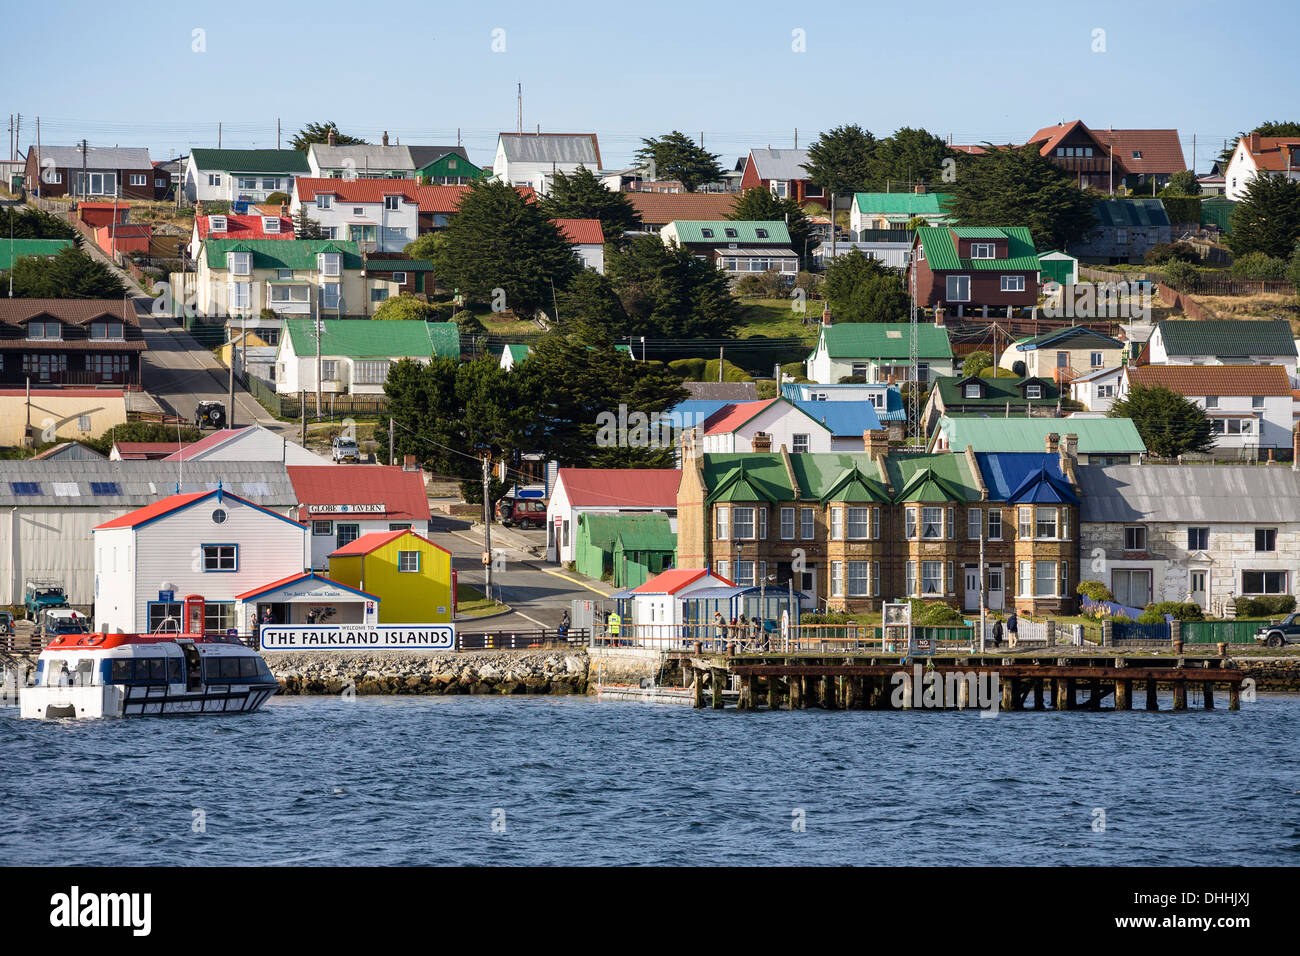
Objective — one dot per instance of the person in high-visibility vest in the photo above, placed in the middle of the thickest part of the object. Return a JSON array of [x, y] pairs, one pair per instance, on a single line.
[[612, 623]]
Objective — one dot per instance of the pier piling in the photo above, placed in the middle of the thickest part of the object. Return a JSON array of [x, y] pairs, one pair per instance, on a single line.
[[1180, 695]]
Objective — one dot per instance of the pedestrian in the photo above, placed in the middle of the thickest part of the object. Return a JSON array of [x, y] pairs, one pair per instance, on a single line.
[[997, 632], [1011, 627], [564, 624]]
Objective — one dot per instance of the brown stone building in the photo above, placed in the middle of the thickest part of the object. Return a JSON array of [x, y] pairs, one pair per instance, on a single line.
[[857, 529]]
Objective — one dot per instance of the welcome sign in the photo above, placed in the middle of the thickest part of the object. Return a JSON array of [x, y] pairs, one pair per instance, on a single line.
[[358, 637]]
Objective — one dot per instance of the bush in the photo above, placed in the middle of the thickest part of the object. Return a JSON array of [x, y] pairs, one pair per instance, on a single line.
[[1151, 617], [976, 363], [1181, 275], [1259, 265], [407, 308], [794, 370], [1266, 606], [767, 389], [750, 285], [215, 207], [1163, 252], [1095, 590], [934, 614], [730, 373], [469, 323], [276, 199], [1178, 610], [689, 369], [829, 617]]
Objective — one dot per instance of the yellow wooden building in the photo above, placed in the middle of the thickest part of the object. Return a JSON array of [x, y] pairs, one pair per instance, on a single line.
[[409, 574]]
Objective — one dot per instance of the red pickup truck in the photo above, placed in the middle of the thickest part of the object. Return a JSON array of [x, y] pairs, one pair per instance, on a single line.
[[525, 512]]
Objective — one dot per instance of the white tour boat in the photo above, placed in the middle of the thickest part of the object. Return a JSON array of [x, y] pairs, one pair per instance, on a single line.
[[137, 675]]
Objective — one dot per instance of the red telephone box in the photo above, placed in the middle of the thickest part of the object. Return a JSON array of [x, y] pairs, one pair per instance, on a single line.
[[194, 614]]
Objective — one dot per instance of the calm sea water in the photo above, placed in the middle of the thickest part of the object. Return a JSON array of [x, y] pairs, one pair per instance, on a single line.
[[476, 780]]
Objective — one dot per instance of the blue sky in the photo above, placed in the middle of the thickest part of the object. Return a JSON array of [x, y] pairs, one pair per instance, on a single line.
[[117, 74]]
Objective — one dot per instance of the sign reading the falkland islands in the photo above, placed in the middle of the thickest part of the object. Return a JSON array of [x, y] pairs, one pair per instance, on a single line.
[[357, 637]]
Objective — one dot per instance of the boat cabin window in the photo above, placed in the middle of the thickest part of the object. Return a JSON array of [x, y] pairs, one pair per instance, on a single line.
[[248, 667], [84, 675], [146, 670]]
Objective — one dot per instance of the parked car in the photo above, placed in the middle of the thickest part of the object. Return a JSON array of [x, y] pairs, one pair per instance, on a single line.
[[41, 595], [1285, 631], [209, 415], [6, 623], [525, 512], [55, 622], [345, 449]]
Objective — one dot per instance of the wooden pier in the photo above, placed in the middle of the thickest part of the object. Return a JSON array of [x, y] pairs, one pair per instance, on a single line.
[[890, 682]]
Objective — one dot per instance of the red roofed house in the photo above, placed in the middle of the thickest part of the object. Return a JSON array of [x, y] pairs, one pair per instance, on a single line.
[[249, 443], [587, 239], [1107, 158], [380, 215], [411, 575], [238, 227], [605, 491], [341, 503], [439, 203], [95, 214], [769, 426], [143, 450], [659, 600], [1261, 156], [207, 543]]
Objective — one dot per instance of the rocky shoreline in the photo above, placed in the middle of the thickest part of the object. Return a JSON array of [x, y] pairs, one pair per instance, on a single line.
[[431, 672]]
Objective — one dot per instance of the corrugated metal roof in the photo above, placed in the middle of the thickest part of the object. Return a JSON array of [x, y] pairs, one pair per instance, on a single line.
[[97, 157], [941, 249], [901, 204], [135, 484], [362, 157], [362, 338], [297, 254], [1096, 435], [1131, 212], [842, 419], [746, 231], [290, 161], [780, 163], [581, 148], [1227, 337], [885, 340], [17, 248], [1189, 493]]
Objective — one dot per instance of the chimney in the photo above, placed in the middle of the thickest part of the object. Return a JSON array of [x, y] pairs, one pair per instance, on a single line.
[[385, 140], [920, 189], [1070, 446], [1053, 442], [284, 209], [408, 463], [329, 138], [762, 443], [198, 207], [938, 318], [1253, 143], [826, 314], [876, 444]]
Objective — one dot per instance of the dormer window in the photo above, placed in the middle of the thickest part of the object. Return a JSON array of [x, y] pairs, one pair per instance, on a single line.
[[328, 263], [1137, 154], [324, 201], [1033, 391], [271, 224], [973, 390], [761, 233], [730, 233], [217, 223], [983, 250], [106, 331], [49, 330], [239, 263], [391, 202], [706, 233]]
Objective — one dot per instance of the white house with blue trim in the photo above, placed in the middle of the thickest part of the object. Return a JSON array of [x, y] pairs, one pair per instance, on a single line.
[[208, 543]]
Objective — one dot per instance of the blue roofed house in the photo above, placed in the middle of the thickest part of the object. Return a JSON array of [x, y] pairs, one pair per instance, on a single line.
[[885, 400], [796, 426]]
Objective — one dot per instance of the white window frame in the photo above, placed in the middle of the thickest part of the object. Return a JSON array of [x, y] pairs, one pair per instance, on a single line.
[[1012, 283], [995, 518], [948, 288], [983, 250], [722, 523], [787, 524], [807, 524]]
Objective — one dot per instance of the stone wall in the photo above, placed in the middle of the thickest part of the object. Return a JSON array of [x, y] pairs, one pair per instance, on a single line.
[[430, 672]]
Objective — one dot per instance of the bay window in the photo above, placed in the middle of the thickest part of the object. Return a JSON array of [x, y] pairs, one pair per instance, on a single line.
[[931, 522], [931, 577], [858, 523], [720, 515], [837, 524], [1045, 523]]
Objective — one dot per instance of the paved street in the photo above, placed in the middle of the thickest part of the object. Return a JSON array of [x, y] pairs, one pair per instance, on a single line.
[[538, 592]]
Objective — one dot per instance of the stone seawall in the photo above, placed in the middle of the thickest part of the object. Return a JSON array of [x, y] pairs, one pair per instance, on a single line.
[[1271, 673], [431, 672]]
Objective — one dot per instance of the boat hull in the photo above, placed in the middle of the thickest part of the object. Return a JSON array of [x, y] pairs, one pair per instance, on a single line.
[[159, 700]]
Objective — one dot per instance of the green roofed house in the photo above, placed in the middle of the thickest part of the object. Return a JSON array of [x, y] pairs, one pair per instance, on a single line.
[[739, 248], [974, 395], [22, 248], [1101, 441], [875, 211], [959, 268], [1126, 230], [249, 175], [444, 165], [355, 354], [291, 277], [625, 549], [880, 524], [874, 351]]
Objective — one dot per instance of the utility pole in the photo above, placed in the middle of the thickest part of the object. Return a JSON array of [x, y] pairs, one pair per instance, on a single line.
[[719, 363], [982, 578], [277, 132], [392, 460], [316, 324], [302, 409], [218, 136], [85, 178], [487, 524]]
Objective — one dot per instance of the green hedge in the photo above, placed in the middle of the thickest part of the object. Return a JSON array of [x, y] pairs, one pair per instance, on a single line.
[[1265, 606], [1182, 209]]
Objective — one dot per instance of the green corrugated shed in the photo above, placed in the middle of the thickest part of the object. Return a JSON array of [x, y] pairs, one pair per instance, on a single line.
[[900, 204], [692, 230], [368, 338], [886, 340], [1057, 266], [441, 168], [1217, 211], [251, 160], [18, 248], [941, 250], [632, 548]]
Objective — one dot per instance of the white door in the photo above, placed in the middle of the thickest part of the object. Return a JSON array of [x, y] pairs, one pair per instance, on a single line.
[[972, 591], [995, 588], [1196, 585]]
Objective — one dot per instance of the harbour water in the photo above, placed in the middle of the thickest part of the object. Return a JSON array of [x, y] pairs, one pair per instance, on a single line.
[[540, 780]]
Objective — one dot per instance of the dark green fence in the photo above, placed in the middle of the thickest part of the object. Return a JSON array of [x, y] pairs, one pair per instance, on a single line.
[[1215, 632]]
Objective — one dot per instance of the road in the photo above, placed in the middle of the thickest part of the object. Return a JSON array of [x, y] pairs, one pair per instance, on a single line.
[[177, 371], [539, 592]]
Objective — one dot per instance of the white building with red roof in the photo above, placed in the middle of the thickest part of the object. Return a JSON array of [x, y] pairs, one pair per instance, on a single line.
[[1261, 156], [209, 543], [230, 226], [250, 443], [605, 491], [340, 503], [587, 239], [659, 600], [380, 215]]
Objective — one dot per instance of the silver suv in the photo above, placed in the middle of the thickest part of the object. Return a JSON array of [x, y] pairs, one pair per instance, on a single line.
[[345, 449]]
